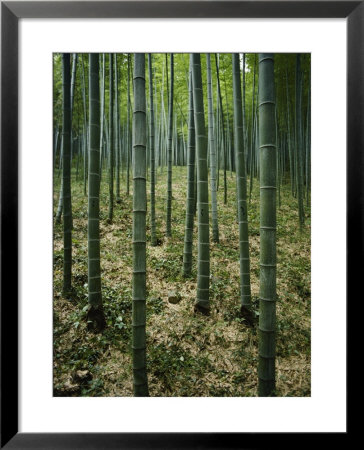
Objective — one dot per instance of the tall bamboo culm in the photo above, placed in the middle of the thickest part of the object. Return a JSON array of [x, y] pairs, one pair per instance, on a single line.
[[152, 155], [211, 134], [140, 381], [111, 139], [128, 131], [203, 265], [85, 128], [169, 154], [116, 128], [72, 88], [102, 107], [245, 292], [96, 319], [299, 145], [190, 201], [222, 127], [268, 175], [66, 164]]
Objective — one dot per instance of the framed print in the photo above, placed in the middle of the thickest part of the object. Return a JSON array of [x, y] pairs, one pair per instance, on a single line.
[[221, 367]]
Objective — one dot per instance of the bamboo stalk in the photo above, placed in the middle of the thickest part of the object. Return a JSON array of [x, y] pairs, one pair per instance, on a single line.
[[268, 177]]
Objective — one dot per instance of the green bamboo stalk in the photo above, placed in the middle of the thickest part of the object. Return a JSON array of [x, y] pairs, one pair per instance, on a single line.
[[252, 140], [245, 291], [308, 145], [102, 110], [107, 139], [153, 234], [156, 125], [169, 154], [73, 78], [85, 124], [190, 200], [175, 143], [96, 318], [211, 134], [245, 128], [222, 128], [218, 140], [128, 132], [78, 155], [111, 140], [203, 268], [162, 122], [289, 140], [268, 176], [67, 201], [116, 127], [73, 83], [278, 161], [72, 89], [140, 380], [256, 143], [228, 133], [299, 146], [166, 55]]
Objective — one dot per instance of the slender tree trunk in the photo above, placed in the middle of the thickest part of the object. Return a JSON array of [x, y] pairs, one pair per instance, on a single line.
[[78, 156], [308, 146], [73, 78], [268, 175], [73, 83], [231, 159], [289, 140], [140, 380], [166, 55], [245, 291], [218, 139], [102, 112], [156, 126], [299, 172], [72, 89], [96, 319], [85, 156], [190, 201], [111, 140], [244, 119], [152, 155], [252, 139], [211, 132], [222, 128], [116, 127], [162, 122], [67, 202], [203, 269], [278, 161], [128, 133], [169, 155]]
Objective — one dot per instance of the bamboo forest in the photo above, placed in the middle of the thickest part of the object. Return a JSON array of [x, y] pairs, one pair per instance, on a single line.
[[182, 225]]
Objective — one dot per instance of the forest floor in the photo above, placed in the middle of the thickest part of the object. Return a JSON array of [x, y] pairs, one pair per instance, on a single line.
[[188, 354]]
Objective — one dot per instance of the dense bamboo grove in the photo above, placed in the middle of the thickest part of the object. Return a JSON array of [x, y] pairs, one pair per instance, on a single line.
[[190, 280]]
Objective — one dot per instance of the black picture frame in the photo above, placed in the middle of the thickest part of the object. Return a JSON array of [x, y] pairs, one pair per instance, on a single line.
[[11, 12]]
